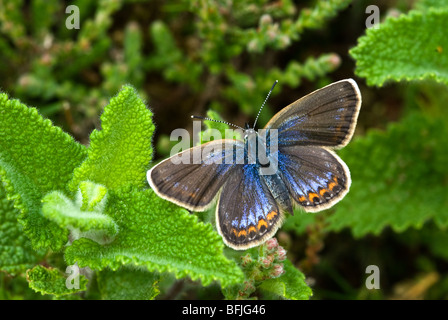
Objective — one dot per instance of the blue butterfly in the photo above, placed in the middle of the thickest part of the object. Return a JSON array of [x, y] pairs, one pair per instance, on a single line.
[[251, 205]]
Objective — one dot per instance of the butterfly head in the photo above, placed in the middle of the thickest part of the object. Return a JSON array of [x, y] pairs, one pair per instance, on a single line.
[[249, 132]]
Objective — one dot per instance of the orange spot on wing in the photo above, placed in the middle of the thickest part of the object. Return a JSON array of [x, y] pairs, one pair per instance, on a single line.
[[322, 191], [311, 195], [302, 199], [242, 233], [271, 215], [331, 185], [252, 229], [261, 223]]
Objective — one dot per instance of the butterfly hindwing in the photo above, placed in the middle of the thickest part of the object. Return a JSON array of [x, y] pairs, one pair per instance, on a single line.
[[195, 184], [247, 213], [325, 117], [315, 177]]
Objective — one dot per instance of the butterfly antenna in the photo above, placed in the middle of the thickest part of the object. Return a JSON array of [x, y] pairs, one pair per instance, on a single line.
[[220, 121], [267, 97]]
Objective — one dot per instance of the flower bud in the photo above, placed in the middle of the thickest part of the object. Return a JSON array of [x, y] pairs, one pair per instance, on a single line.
[[265, 19], [277, 271]]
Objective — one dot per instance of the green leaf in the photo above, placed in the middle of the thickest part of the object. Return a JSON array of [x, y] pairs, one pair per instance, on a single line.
[[158, 235], [428, 4], [399, 178], [173, 63], [41, 10], [52, 281], [316, 17], [167, 53], [436, 240], [91, 196], [291, 284], [128, 284], [405, 48], [299, 221], [74, 216], [16, 254], [119, 154], [35, 158]]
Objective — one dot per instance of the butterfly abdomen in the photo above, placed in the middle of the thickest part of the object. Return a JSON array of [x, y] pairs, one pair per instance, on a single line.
[[279, 191]]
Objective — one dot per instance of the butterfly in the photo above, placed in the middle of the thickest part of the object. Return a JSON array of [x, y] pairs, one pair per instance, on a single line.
[[251, 204]]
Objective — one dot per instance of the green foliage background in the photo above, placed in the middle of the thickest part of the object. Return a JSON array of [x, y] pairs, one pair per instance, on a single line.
[[95, 108]]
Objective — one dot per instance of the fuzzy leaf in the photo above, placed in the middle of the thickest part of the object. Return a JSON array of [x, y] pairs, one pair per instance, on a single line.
[[16, 254], [52, 281], [119, 154], [410, 47], [291, 284], [128, 284], [68, 214], [399, 178], [35, 158], [91, 196], [158, 235]]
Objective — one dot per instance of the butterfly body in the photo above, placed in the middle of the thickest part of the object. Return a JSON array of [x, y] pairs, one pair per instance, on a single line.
[[256, 180]]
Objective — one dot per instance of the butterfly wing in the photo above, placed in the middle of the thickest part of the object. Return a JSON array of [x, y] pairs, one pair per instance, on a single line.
[[195, 183], [247, 213], [315, 177], [325, 117]]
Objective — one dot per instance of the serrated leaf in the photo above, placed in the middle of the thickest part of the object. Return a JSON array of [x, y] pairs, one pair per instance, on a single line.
[[35, 158], [52, 281], [128, 284], [290, 285], [119, 154], [157, 235], [16, 254], [410, 47], [399, 178]]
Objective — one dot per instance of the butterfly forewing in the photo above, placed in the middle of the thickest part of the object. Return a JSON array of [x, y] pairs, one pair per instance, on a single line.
[[325, 117], [195, 185]]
